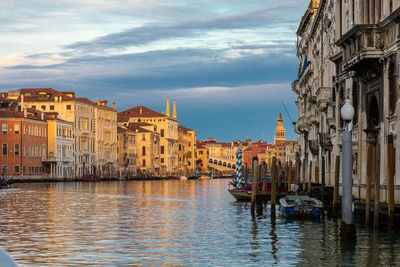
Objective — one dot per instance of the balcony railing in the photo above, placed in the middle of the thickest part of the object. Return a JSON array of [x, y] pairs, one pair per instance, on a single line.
[[362, 42], [325, 141], [324, 95]]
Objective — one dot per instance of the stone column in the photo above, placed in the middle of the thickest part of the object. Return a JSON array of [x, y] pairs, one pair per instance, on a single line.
[[371, 11]]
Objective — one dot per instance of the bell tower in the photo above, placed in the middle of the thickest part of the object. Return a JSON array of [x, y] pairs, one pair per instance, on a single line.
[[279, 131]]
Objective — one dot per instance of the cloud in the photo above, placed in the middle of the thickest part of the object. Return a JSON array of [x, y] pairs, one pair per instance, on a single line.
[[267, 16]]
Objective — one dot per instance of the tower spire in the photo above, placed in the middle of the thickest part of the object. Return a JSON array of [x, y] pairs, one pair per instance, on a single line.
[[174, 110], [167, 112]]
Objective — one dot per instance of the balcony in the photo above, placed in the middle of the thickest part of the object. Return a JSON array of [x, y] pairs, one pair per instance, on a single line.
[[363, 44], [324, 95], [84, 131], [302, 124], [312, 115], [313, 145], [330, 115], [325, 141]]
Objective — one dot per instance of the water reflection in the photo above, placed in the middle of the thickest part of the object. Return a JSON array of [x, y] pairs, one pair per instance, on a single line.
[[169, 223]]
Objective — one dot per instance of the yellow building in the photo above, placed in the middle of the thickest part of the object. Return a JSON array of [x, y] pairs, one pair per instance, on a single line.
[[166, 127], [186, 150], [201, 156], [60, 152], [79, 111], [127, 152], [147, 147], [106, 158]]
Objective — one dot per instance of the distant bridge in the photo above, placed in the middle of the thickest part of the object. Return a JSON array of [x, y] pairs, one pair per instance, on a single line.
[[221, 164]]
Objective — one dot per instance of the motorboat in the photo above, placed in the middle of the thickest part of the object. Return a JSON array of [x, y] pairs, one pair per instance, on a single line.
[[301, 206]]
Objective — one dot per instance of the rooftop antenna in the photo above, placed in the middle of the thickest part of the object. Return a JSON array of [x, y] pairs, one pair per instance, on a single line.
[[297, 37], [287, 112]]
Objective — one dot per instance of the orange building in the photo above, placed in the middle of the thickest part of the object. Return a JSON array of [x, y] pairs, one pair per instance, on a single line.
[[24, 143]]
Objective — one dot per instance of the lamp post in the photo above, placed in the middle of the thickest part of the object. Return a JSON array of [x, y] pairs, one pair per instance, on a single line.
[[348, 228]]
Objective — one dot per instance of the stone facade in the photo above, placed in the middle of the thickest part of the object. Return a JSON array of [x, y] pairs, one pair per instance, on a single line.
[[349, 50]]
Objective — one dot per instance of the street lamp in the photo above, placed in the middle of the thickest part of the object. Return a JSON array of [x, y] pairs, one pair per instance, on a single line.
[[348, 229]]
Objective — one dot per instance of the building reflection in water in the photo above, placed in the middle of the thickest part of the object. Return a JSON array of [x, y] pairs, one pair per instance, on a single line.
[[169, 223]]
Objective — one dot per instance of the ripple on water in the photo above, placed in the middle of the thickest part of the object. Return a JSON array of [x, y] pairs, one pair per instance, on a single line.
[[168, 223]]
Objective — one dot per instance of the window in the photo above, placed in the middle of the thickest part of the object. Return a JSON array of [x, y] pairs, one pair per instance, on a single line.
[[162, 160], [144, 151], [143, 137], [180, 147], [69, 107], [16, 150], [5, 149], [144, 163], [162, 133], [4, 127], [162, 149], [43, 107], [51, 107], [16, 128], [34, 107], [16, 169], [4, 170]]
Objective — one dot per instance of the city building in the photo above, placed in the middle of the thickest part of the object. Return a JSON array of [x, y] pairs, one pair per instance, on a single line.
[[350, 50], [105, 125], [24, 143], [166, 127], [186, 150], [79, 111], [148, 148], [201, 156], [127, 152], [59, 162]]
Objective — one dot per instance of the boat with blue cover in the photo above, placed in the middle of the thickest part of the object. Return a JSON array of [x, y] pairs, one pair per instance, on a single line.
[[302, 206]]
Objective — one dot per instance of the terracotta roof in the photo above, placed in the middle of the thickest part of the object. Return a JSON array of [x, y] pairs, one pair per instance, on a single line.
[[32, 94], [85, 100], [137, 126], [18, 114], [138, 112], [121, 129], [183, 128]]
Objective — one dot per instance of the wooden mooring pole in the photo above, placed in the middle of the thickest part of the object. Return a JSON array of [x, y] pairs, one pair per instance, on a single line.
[[377, 186], [336, 185], [274, 176], [263, 176], [290, 174], [390, 170], [368, 186], [254, 185]]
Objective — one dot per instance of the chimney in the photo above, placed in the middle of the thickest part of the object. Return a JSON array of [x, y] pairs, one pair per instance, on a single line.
[[42, 116], [56, 98], [60, 98], [98, 101], [140, 111], [113, 103], [25, 113]]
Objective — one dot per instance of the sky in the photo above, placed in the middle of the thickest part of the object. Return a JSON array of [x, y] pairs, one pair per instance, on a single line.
[[228, 64]]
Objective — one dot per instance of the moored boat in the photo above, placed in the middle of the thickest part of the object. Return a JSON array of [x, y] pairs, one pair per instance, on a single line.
[[302, 206], [244, 193]]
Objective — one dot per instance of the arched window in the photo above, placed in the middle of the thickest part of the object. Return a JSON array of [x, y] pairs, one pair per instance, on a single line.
[[144, 151]]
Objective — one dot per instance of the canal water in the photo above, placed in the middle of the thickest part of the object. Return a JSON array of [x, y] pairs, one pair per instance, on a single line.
[[180, 223]]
